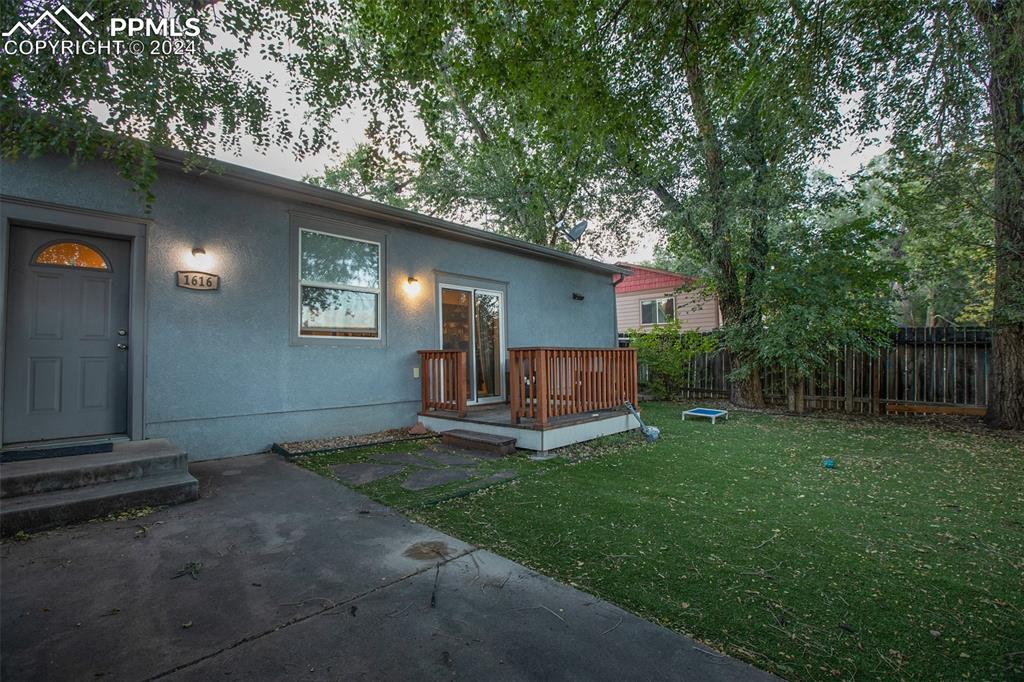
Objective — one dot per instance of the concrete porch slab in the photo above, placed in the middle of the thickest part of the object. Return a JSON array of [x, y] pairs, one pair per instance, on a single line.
[[276, 543], [491, 619], [302, 577]]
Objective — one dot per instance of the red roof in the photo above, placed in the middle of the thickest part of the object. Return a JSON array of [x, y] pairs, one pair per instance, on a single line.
[[644, 278]]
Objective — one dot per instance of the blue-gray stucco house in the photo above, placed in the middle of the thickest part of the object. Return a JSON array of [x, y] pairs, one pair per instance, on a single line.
[[244, 309]]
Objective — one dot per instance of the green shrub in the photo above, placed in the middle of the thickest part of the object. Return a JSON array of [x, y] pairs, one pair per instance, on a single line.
[[663, 353]]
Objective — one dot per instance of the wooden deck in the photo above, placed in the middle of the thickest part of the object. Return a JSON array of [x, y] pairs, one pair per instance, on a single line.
[[556, 396]]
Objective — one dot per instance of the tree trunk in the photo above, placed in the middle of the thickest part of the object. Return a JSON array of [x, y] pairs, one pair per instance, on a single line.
[[718, 247], [748, 391], [1006, 403], [796, 396], [1004, 24], [745, 392]]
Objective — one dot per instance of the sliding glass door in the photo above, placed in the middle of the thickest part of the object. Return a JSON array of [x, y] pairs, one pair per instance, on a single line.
[[472, 320]]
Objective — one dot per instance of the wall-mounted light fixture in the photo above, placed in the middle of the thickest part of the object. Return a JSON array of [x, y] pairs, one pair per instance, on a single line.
[[200, 258], [412, 286]]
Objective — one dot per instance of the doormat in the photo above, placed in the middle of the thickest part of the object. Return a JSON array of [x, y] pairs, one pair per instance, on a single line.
[[64, 451]]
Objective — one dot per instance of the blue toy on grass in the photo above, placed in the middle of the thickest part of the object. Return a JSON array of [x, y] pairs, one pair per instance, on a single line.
[[829, 464]]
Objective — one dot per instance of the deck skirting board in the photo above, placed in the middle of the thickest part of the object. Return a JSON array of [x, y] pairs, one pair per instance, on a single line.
[[578, 433], [532, 439]]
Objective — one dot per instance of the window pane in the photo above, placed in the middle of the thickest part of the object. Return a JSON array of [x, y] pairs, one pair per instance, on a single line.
[[336, 260], [72, 255], [668, 311], [333, 312], [647, 312], [455, 319], [456, 309]]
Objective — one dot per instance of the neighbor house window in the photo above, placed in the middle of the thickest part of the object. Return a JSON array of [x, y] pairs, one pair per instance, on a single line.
[[658, 311], [339, 285]]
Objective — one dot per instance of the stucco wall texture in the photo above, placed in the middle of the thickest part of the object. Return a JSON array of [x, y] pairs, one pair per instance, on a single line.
[[222, 378]]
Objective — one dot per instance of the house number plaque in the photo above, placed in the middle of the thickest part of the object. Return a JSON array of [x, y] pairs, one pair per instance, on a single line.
[[203, 281]]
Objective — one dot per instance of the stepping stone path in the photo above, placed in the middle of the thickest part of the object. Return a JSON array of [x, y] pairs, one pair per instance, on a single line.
[[449, 458], [361, 473], [451, 451], [430, 467], [405, 459], [431, 478]]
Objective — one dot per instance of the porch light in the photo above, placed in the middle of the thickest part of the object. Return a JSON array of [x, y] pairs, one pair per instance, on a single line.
[[412, 286], [199, 257]]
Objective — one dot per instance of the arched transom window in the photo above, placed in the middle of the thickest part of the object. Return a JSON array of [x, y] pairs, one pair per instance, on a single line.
[[71, 255]]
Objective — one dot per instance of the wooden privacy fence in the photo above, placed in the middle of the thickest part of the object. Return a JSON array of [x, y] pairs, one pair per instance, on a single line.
[[443, 380], [554, 382], [935, 370]]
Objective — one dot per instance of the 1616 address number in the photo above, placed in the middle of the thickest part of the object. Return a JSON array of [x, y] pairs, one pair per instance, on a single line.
[[198, 280]]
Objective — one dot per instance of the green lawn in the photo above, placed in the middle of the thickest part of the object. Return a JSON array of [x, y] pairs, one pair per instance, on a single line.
[[905, 561]]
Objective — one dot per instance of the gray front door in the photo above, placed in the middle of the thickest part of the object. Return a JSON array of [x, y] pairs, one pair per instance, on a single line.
[[66, 340]]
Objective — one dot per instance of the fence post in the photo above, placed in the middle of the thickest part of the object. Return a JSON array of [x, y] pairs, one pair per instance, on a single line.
[[848, 378], [876, 383]]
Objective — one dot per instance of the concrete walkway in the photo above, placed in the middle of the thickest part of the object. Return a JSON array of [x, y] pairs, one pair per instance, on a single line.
[[276, 573]]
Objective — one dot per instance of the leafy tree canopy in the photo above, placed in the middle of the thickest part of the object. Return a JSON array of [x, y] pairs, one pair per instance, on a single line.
[[940, 231], [122, 105], [702, 120]]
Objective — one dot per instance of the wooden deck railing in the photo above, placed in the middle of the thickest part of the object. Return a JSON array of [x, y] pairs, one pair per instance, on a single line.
[[443, 380], [554, 382]]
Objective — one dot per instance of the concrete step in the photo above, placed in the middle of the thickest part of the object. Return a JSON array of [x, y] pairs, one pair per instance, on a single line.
[[31, 513], [127, 460], [475, 440]]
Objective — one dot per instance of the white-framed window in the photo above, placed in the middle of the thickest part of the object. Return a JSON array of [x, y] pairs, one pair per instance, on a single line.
[[339, 288], [658, 310]]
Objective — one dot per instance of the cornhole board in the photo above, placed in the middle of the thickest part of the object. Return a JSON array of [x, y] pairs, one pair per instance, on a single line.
[[706, 412]]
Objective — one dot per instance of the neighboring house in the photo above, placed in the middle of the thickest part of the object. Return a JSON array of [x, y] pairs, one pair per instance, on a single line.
[[245, 309], [648, 297]]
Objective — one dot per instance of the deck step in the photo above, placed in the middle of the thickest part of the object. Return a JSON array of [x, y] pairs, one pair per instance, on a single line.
[[475, 440], [60, 507], [127, 460]]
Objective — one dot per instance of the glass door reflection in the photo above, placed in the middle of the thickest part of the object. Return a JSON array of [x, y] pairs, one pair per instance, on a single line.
[[487, 345], [472, 321]]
